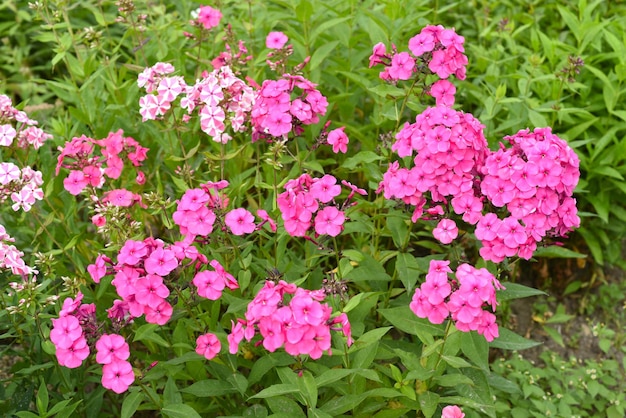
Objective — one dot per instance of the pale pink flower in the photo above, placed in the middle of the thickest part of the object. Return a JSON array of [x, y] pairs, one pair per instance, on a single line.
[[446, 231], [209, 17], [339, 140], [208, 345], [452, 411], [276, 40]]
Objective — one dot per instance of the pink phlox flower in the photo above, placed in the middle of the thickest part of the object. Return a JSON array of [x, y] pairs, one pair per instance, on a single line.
[[446, 231], [132, 252], [110, 348], [161, 262], [159, 315], [306, 310], [71, 305], [209, 17], [9, 172], [339, 140], [118, 376], [75, 182], [7, 134], [421, 43], [452, 411], [378, 55], [345, 327], [208, 345], [402, 66], [240, 221], [150, 290], [210, 284], [235, 337], [443, 91], [329, 221], [275, 40], [65, 331], [436, 290], [325, 189], [120, 198], [272, 332], [73, 356]]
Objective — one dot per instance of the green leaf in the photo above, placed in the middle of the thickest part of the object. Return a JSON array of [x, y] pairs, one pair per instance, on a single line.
[[387, 90], [276, 390], [321, 53], [146, 332], [508, 340], [368, 270], [131, 403], [308, 388], [179, 410], [405, 320], [428, 401], [42, 398], [368, 338], [356, 299], [286, 406], [476, 348], [361, 157], [517, 291], [408, 271], [554, 251], [209, 387]]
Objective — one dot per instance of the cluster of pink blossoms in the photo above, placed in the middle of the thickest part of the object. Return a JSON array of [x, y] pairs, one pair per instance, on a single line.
[[534, 180], [139, 277], [462, 298], [440, 49], [449, 148], [15, 125], [306, 196], [276, 113], [23, 186], [11, 257], [196, 212], [75, 332], [89, 168], [206, 16], [219, 98], [301, 326]]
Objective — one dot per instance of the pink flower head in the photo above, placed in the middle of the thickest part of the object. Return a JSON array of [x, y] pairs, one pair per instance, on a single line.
[[240, 221], [208, 345], [98, 270], [74, 355], [275, 40], [446, 231], [209, 17], [339, 140], [65, 331]]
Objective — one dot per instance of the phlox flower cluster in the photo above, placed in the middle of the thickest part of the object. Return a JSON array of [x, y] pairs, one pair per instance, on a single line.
[[302, 325], [11, 256], [112, 353], [88, 168], [285, 105], [310, 202], [140, 273], [71, 331], [440, 50], [219, 97], [23, 186], [16, 127], [462, 298], [448, 149], [76, 332], [534, 180]]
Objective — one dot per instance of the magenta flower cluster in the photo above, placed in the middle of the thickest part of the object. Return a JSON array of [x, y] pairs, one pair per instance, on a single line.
[[534, 180], [285, 105], [447, 147], [76, 330], [88, 168], [11, 256], [307, 196], [461, 298], [440, 49], [301, 325]]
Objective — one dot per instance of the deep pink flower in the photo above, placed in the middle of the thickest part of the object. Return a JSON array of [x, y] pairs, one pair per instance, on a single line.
[[161, 262], [111, 347], [329, 221], [240, 221], [446, 231], [339, 140], [65, 331], [275, 40], [150, 290], [98, 270], [117, 376], [159, 315], [208, 345], [325, 189], [74, 355]]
